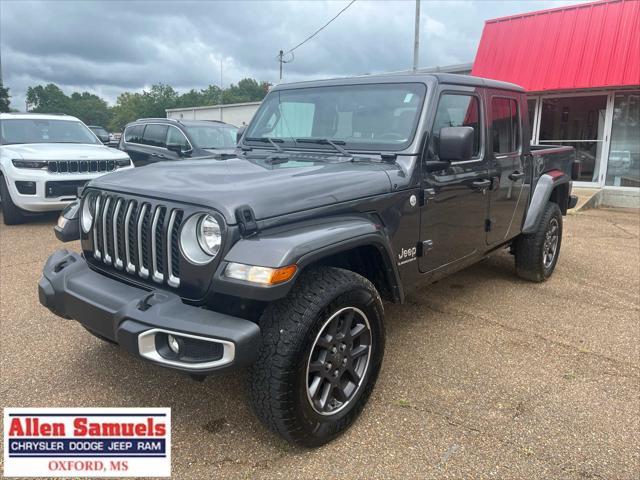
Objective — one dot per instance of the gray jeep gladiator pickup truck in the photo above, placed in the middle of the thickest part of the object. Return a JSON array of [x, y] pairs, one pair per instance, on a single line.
[[341, 193]]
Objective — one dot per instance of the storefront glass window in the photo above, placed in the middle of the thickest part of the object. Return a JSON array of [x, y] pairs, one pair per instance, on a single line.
[[531, 104], [623, 169], [578, 122]]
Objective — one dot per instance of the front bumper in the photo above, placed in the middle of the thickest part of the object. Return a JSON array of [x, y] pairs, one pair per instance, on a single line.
[[47, 198], [133, 317]]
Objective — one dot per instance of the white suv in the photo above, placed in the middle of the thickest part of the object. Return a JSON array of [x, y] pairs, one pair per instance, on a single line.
[[45, 158]]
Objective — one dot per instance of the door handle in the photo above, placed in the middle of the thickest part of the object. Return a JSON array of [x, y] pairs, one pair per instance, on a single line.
[[516, 176], [481, 184]]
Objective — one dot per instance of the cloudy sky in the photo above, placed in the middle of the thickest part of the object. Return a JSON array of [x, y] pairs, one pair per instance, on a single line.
[[111, 46]]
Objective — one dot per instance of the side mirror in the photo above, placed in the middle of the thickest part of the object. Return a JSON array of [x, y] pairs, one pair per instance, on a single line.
[[68, 227], [239, 133], [177, 148], [456, 144]]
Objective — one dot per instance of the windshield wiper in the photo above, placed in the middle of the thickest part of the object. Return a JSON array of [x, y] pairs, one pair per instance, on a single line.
[[272, 141], [325, 141]]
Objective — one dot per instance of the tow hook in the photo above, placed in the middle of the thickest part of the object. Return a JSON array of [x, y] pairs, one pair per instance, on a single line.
[[150, 300]]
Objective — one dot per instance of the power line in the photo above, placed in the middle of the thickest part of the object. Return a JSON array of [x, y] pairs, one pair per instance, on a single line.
[[281, 54], [320, 29]]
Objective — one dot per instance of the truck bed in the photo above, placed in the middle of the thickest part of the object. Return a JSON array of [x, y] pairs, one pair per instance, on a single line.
[[553, 157]]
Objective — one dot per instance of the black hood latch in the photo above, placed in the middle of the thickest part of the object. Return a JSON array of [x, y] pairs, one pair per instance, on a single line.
[[246, 220]]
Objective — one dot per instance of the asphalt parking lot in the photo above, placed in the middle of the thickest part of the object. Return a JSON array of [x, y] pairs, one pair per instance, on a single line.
[[485, 375]]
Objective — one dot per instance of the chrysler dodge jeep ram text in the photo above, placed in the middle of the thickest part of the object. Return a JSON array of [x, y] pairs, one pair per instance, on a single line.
[[342, 193], [44, 159]]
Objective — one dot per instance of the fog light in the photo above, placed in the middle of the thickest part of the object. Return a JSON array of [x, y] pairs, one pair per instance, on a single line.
[[174, 344], [26, 188]]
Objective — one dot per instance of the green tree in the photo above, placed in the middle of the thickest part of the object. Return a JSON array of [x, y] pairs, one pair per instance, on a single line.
[[148, 104], [47, 99], [247, 90], [4, 98], [89, 108], [195, 98], [128, 107], [152, 102]]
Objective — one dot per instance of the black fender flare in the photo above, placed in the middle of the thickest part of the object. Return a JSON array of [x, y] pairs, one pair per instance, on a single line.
[[545, 186], [302, 244]]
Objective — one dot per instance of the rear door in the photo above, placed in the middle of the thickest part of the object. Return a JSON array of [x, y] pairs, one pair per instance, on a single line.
[[507, 169], [455, 198], [154, 140]]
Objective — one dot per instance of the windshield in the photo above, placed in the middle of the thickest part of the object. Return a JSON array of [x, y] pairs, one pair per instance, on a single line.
[[361, 117], [28, 130], [213, 136]]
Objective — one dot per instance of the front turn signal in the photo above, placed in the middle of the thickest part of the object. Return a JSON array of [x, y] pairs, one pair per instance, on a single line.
[[261, 275]]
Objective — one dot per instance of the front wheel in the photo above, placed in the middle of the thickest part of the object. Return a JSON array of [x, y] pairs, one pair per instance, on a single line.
[[537, 253], [11, 214], [321, 355]]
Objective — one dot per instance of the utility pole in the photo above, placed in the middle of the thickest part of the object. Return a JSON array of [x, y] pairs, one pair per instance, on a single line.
[[221, 92], [280, 55], [416, 38]]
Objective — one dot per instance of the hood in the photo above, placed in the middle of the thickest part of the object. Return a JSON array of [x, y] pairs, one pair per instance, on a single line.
[[62, 151], [218, 151], [270, 190]]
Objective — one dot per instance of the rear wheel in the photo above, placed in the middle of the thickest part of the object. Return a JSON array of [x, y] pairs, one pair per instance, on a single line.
[[537, 253], [11, 214], [321, 355]]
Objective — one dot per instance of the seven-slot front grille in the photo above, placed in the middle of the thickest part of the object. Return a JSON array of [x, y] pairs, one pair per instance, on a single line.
[[81, 166], [137, 237]]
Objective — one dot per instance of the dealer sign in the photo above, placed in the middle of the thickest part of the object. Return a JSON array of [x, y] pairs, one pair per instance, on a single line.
[[87, 442]]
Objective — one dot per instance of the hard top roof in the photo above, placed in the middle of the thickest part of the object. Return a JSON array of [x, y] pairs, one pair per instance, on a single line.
[[447, 78]]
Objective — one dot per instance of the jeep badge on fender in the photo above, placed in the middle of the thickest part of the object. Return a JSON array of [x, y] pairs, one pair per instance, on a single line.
[[342, 194]]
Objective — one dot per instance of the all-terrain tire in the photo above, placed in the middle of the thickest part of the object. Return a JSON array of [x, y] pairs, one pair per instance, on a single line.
[[534, 261], [11, 214], [292, 331]]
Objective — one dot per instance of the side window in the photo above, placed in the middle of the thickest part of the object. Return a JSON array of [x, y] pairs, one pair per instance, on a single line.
[[176, 137], [457, 110], [155, 135], [133, 134], [505, 125]]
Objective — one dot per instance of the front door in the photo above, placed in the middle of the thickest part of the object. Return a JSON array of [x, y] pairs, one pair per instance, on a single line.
[[508, 197], [455, 198]]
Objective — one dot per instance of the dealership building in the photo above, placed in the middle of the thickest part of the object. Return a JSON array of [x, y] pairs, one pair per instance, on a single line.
[[581, 66]]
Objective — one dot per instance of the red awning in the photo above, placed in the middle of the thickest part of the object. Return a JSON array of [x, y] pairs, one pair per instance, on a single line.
[[583, 46]]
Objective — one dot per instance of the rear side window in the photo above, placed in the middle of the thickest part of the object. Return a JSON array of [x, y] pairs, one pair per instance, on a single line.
[[457, 110], [133, 134], [505, 125], [154, 135]]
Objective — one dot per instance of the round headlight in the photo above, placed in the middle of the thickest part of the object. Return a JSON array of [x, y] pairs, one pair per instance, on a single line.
[[209, 235], [86, 217], [200, 238]]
